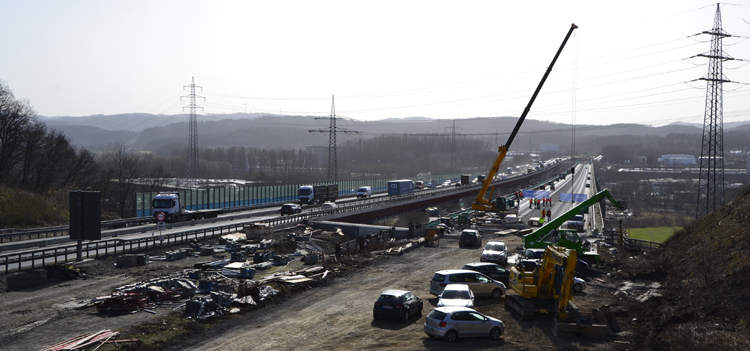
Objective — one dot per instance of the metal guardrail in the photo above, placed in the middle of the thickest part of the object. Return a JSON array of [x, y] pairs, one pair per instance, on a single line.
[[52, 254], [56, 255]]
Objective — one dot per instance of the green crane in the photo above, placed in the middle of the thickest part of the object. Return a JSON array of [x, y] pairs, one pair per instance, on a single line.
[[569, 238]]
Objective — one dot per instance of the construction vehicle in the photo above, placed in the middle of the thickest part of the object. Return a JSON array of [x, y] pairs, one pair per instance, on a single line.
[[548, 285], [569, 238], [167, 207], [482, 204]]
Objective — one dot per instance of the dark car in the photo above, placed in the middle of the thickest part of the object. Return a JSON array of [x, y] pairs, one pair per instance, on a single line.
[[489, 269], [470, 237], [399, 304], [290, 209]]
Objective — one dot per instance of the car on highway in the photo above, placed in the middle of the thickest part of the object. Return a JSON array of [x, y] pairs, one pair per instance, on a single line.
[[470, 237], [451, 323], [495, 251], [456, 295], [290, 209], [328, 206], [490, 269], [398, 304], [480, 284]]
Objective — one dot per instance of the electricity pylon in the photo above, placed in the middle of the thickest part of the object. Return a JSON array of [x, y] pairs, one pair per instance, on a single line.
[[193, 133], [711, 181], [332, 130]]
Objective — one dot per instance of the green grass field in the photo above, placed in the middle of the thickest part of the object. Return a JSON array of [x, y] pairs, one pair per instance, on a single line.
[[657, 234]]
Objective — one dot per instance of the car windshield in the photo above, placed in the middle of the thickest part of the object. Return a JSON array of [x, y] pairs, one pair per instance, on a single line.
[[304, 191], [455, 294], [162, 203], [362, 190], [495, 247]]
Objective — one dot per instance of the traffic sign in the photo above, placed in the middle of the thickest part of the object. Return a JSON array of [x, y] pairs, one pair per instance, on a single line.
[[161, 226], [160, 216]]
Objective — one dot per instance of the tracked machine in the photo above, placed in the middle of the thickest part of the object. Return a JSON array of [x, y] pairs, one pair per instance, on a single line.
[[547, 285]]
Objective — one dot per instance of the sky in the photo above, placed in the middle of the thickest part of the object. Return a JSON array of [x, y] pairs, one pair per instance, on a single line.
[[628, 62]]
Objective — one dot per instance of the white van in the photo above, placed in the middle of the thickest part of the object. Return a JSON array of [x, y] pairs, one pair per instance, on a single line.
[[364, 191], [510, 219]]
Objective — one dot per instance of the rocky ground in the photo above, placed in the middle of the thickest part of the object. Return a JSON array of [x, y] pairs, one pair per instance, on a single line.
[[335, 314]]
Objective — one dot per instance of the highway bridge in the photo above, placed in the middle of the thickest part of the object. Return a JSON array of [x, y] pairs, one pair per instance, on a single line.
[[140, 234]]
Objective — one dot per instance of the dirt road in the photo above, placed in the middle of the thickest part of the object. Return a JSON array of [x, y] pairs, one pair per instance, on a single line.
[[339, 316]]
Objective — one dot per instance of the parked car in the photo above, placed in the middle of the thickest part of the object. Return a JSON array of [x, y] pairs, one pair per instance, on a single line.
[[489, 269], [456, 295], [399, 304], [480, 284], [452, 323], [290, 209], [510, 219], [328, 206], [578, 284], [534, 254], [495, 251], [470, 237]]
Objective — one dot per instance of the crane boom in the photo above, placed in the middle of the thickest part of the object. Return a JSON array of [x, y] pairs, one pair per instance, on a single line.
[[482, 204]]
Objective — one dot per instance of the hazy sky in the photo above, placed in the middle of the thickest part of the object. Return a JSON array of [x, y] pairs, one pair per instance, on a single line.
[[630, 61]]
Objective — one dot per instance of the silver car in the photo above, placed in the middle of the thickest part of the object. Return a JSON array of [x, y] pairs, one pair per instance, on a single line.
[[452, 323], [479, 283], [456, 295]]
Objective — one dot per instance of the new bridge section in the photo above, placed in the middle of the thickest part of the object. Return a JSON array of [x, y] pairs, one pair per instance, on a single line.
[[503, 187]]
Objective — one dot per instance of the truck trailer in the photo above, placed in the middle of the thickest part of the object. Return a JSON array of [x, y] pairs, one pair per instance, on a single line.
[[174, 210], [311, 194], [400, 187]]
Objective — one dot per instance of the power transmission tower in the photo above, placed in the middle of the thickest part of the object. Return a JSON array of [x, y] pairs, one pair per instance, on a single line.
[[193, 133], [453, 144], [332, 130], [711, 181]]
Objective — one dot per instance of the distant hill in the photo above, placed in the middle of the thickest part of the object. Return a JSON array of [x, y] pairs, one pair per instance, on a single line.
[[160, 132]]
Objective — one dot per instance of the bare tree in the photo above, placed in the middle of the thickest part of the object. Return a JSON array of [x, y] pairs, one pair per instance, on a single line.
[[121, 167]]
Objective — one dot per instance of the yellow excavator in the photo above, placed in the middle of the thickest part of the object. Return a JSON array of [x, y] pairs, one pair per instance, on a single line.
[[547, 285], [487, 205]]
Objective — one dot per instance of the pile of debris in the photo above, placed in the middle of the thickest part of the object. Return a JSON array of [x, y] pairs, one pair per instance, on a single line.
[[88, 339]]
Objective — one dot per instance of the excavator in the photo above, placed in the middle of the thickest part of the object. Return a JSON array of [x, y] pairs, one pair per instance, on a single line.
[[482, 204], [548, 286], [569, 238]]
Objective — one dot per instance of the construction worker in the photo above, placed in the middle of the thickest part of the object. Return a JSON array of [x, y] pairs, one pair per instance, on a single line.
[[541, 218], [531, 201], [549, 215]]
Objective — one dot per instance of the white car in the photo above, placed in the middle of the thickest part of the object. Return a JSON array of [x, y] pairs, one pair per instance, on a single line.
[[456, 295], [328, 206]]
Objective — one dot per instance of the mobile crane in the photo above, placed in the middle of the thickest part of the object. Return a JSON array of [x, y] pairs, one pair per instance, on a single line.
[[482, 204], [569, 238]]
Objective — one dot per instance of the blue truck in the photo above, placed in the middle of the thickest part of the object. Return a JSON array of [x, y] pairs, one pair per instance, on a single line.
[[400, 187]]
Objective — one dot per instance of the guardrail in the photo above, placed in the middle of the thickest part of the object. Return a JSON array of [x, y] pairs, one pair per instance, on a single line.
[[62, 253], [42, 257], [612, 237]]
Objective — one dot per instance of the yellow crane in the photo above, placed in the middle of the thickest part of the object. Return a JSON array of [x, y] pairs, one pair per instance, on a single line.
[[482, 204]]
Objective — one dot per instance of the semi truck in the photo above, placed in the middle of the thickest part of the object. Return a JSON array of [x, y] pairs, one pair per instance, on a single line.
[[400, 187], [170, 209], [465, 179], [311, 194]]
